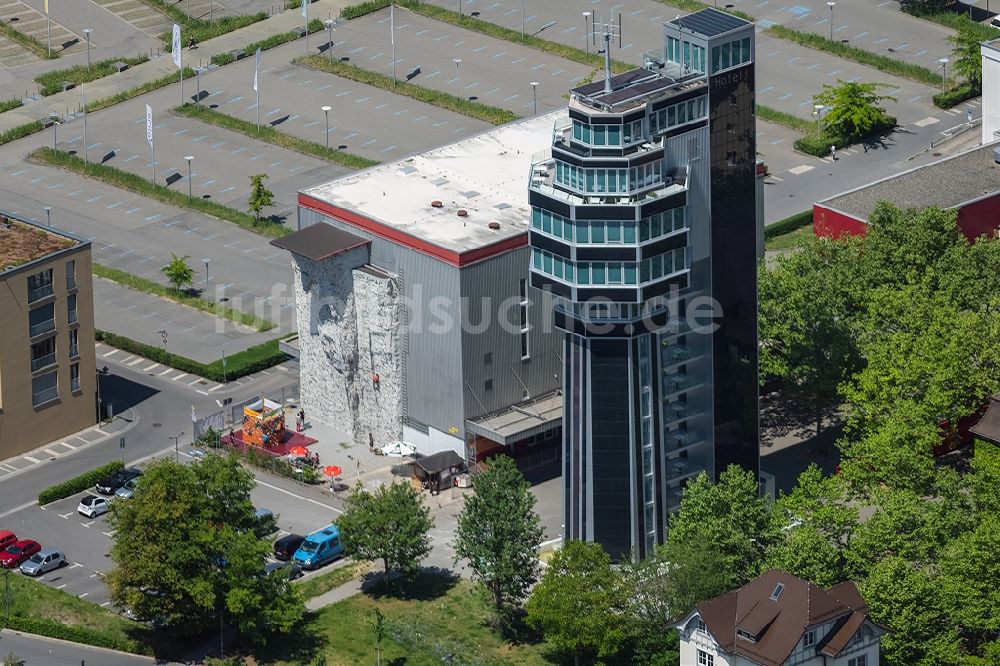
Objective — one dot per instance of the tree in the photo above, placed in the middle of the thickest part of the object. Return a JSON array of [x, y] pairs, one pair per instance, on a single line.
[[178, 273], [176, 563], [260, 196], [821, 502], [733, 517], [12, 660], [578, 605], [967, 56], [649, 610], [498, 534], [806, 308], [854, 109], [379, 631], [694, 573], [808, 554], [970, 570], [389, 524]]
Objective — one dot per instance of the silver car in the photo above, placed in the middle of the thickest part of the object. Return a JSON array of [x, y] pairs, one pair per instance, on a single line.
[[128, 490], [42, 561]]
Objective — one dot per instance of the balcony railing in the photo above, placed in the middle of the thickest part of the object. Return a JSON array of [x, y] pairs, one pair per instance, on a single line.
[[72, 316], [38, 293], [74, 351], [42, 327], [43, 362], [45, 396]]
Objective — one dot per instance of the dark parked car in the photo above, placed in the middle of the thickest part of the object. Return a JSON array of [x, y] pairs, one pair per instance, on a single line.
[[18, 552], [289, 569], [109, 485], [286, 546]]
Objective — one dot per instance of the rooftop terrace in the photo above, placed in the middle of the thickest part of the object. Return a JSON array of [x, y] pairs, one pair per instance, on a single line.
[[21, 242]]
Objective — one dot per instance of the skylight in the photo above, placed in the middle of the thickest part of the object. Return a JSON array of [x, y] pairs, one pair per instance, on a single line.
[[778, 589]]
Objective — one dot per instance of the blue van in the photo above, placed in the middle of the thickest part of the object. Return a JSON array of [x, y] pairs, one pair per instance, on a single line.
[[319, 548]]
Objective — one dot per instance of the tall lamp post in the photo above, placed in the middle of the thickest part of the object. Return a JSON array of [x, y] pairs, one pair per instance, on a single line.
[[329, 37], [86, 32], [944, 69], [586, 31], [177, 449], [818, 112], [522, 18], [534, 97], [326, 114], [830, 5], [205, 261], [55, 129], [189, 158], [458, 74], [48, 216]]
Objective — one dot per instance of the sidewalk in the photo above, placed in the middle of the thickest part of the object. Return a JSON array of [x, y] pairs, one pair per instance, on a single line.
[[163, 66]]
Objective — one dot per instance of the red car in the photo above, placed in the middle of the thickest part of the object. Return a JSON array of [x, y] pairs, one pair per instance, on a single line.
[[18, 552], [6, 539]]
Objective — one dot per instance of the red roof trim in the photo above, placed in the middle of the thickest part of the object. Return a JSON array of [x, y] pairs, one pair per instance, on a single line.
[[408, 240]]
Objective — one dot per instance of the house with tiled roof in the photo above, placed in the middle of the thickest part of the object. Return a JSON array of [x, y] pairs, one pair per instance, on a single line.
[[781, 620]]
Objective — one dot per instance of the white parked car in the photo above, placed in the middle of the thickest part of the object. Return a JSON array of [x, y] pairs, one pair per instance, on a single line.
[[92, 506]]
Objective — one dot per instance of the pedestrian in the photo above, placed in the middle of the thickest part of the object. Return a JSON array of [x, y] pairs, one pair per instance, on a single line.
[[371, 443], [302, 415], [191, 44], [833, 152]]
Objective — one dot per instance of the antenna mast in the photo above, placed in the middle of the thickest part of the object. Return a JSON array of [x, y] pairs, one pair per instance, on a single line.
[[609, 30]]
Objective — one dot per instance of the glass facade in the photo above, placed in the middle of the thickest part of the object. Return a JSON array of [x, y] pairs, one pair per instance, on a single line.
[[690, 56], [678, 114]]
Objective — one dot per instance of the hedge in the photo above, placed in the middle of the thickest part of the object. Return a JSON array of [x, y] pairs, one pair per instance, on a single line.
[[74, 633], [818, 143], [250, 360], [956, 95], [363, 8], [78, 484], [51, 82], [954, 20], [788, 225], [315, 25]]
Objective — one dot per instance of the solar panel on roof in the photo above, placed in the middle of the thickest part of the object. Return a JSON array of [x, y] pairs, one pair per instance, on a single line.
[[709, 22]]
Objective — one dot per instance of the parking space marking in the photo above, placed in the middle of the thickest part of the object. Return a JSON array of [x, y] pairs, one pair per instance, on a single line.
[[75, 565], [801, 169], [87, 525], [61, 586], [180, 376], [66, 516], [31, 460], [52, 453], [166, 371], [83, 595], [929, 120]]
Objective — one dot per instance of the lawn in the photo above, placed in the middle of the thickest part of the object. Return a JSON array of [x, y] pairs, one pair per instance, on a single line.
[[789, 240], [317, 585], [441, 618]]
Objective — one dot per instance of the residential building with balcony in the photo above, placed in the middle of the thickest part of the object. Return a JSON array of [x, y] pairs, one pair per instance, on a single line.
[[781, 620], [48, 379], [645, 229]]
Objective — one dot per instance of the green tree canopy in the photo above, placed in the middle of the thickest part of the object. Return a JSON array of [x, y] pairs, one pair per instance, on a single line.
[[967, 56], [178, 273], [260, 197], [176, 563], [579, 603], [389, 524], [854, 109], [498, 534], [808, 554]]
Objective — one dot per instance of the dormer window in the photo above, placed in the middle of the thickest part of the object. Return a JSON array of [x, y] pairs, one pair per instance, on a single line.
[[809, 639], [700, 626], [746, 635]]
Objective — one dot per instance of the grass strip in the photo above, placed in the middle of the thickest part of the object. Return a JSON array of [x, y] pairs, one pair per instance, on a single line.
[[27, 41], [21, 131], [273, 136], [883, 63], [695, 5], [317, 585], [486, 113], [788, 225], [199, 29], [79, 483], [771, 115], [250, 360], [139, 283], [315, 25], [135, 183], [126, 95], [500, 32], [953, 20], [51, 82], [10, 104]]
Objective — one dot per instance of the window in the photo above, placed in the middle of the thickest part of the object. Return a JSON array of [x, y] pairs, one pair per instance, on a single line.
[[74, 377], [43, 354], [809, 639], [488, 385], [71, 274], [488, 357], [700, 626], [39, 285], [860, 660], [778, 589], [705, 659], [41, 320], [44, 389], [71, 308], [523, 311]]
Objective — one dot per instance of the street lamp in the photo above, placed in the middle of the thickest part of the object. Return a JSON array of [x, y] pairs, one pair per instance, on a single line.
[[522, 18], [326, 113], [329, 37], [458, 73], [205, 261], [534, 97], [48, 215], [177, 450], [197, 92], [830, 5], [86, 32], [586, 30], [189, 158], [55, 131], [944, 70], [818, 112]]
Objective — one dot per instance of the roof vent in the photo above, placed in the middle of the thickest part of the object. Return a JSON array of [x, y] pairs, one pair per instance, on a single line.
[[462, 212], [493, 225], [437, 204]]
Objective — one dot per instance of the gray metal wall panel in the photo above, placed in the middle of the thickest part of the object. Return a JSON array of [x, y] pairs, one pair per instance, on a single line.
[[492, 285], [434, 391]]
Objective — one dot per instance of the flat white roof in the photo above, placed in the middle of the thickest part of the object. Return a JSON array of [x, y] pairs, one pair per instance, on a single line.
[[486, 175]]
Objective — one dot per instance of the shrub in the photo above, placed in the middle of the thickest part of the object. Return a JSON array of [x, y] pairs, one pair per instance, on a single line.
[[27, 41], [138, 90], [222, 59], [10, 104], [200, 30], [817, 144], [78, 484], [250, 360], [788, 225], [15, 133], [949, 98], [73, 633], [51, 82], [363, 8]]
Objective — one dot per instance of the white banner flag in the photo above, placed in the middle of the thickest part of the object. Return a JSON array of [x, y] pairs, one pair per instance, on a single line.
[[305, 9], [46, 7], [256, 67], [176, 47], [149, 125], [392, 24]]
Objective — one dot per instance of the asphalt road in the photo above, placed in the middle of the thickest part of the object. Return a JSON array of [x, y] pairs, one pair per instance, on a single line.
[[39, 651]]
